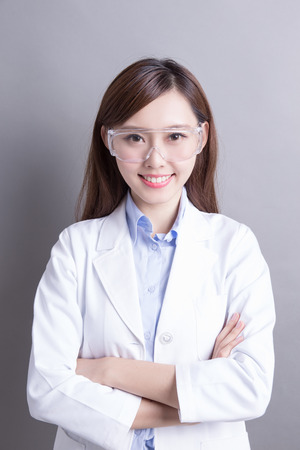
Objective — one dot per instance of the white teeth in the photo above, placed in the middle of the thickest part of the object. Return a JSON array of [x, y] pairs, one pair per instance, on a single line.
[[157, 180]]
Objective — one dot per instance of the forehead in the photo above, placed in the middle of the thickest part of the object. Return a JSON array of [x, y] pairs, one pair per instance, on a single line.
[[169, 109]]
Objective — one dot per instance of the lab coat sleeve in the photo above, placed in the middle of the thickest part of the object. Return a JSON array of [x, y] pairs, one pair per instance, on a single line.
[[238, 387], [97, 413]]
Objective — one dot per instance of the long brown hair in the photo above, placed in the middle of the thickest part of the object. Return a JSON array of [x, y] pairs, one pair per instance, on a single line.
[[135, 87]]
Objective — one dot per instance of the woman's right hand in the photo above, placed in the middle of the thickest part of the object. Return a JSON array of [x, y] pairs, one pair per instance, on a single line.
[[228, 338]]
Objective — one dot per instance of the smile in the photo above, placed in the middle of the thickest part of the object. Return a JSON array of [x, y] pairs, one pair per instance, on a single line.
[[156, 182]]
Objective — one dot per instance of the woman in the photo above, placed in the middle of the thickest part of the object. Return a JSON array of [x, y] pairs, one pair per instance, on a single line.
[[138, 316]]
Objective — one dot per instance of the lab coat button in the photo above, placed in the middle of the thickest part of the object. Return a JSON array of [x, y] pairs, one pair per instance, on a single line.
[[154, 247], [147, 335], [166, 338]]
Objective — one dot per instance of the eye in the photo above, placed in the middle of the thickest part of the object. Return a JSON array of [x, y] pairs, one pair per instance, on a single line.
[[176, 136], [133, 138]]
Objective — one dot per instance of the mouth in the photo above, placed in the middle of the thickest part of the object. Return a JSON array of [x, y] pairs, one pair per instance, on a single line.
[[156, 181]]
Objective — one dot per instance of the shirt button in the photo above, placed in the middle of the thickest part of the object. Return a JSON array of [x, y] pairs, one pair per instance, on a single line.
[[151, 289], [154, 246], [166, 338], [147, 335]]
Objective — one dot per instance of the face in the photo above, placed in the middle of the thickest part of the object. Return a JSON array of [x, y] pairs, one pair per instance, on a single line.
[[156, 182]]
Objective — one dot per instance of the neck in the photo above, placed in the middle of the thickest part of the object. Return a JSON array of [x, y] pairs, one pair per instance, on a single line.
[[162, 215], [161, 219]]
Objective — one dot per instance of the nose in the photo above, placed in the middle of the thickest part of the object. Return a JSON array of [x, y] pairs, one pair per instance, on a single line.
[[155, 158]]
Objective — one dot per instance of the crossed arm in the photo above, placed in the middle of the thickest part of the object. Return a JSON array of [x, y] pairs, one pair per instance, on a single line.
[[154, 382]]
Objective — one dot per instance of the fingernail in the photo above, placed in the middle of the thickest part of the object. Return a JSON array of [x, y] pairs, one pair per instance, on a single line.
[[239, 324], [234, 317]]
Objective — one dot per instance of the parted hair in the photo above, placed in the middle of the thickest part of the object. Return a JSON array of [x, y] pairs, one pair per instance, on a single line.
[[135, 87]]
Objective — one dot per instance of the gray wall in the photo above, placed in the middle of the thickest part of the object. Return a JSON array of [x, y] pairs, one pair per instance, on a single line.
[[57, 58]]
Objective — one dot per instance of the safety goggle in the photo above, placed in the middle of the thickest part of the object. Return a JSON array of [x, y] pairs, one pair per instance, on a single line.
[[173, 144]]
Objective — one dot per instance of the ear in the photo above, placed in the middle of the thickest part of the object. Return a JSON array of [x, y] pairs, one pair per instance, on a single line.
[[205, 131], [104, 136]]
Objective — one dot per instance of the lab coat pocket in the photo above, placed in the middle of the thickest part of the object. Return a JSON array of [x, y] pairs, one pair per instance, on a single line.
[[240, 442], [64, 442], [210, 313]]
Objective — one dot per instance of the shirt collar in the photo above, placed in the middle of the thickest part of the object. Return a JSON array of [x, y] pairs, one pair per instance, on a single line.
[[135, 218]]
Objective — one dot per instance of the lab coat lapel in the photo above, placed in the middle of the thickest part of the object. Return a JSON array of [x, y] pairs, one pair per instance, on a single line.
[[116, 270], [192, 264]]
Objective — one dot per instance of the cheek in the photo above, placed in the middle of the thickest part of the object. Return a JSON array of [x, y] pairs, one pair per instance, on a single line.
[[187, 169], [126, 170]]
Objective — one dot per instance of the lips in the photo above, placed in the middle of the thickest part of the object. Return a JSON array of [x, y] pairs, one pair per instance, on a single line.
[[156, 181], [159, 179]]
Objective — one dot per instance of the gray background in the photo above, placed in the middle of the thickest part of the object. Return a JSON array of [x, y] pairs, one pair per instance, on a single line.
[[57, 58]]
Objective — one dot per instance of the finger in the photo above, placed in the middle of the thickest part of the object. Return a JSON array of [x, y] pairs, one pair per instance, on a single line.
[[231, 345], [232, 335], [235, 331], [228, 327], [225, 352], [233, 320]]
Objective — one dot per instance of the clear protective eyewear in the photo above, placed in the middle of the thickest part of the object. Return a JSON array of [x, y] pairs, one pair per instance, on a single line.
[[173, 144]]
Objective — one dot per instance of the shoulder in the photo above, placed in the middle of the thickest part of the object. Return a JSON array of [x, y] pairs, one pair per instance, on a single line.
[[87, 234], [218, 221], [84, 228], [78, 238], [92, 227], [213, 222], [219, 227]]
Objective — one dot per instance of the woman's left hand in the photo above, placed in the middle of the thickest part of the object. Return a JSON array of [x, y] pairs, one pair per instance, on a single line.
[[228, 338]]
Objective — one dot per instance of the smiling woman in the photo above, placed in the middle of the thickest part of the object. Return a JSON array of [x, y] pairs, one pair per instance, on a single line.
[[157, 312]]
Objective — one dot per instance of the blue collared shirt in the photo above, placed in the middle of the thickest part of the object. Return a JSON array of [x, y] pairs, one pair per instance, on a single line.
[[153, 257]]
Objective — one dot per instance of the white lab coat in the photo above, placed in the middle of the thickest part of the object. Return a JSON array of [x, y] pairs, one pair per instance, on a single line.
[[87, 305]]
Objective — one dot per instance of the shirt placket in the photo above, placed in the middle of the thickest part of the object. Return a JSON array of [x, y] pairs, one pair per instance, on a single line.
[[151, 295]]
